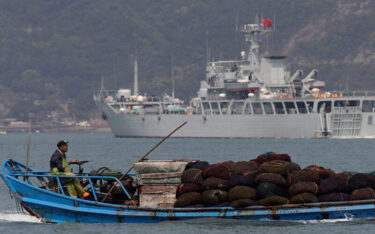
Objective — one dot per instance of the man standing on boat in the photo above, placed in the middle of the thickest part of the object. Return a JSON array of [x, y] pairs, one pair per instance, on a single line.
[[60, 166]]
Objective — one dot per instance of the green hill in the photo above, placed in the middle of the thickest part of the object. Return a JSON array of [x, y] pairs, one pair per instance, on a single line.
[[55, 52]]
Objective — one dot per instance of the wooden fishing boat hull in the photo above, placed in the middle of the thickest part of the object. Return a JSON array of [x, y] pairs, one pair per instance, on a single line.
[[54, 207]]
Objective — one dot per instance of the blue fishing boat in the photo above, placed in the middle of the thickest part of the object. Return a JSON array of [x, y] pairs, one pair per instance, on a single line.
[[30, 190]]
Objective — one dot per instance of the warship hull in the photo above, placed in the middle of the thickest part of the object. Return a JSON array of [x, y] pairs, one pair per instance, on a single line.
[[239, 126]]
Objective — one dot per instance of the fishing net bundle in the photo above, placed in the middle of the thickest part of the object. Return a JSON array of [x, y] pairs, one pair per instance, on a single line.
[[302, 198], [290, 167], [276, 166], [241, 203], [361, 180], [214, 197], [187, 188], [362, 194], [273, 200], [266, 189], [323, 172], [214, 183], [244, 168], [271, 178], [188, 199], [241, 192], [333, 185], [303, 175], [272, 156], [192, 175], [235, 180], [303, 187], [218, 170]]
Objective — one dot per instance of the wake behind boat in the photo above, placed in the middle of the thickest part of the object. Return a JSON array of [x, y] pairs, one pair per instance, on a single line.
[[252, 97]]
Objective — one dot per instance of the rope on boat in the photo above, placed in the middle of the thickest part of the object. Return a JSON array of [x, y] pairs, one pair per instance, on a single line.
[[17, 201]]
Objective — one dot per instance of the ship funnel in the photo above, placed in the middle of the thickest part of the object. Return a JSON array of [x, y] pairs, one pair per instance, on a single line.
[[135, 77]]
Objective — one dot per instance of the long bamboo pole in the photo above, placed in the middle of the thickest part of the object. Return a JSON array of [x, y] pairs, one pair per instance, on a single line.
[[143, 157]]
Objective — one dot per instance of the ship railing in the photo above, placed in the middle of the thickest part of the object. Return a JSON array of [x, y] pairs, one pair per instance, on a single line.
[[228, 63], [355, 93], [226, 66], [41, 175], [347, 109]]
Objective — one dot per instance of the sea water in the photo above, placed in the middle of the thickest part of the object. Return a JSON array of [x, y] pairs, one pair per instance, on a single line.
[[102, 149]]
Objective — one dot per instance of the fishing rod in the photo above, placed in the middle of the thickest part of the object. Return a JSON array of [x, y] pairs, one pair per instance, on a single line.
[[143, 157]]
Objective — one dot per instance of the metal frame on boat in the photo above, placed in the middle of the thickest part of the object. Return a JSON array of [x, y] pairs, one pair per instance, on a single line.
[[54, 207]]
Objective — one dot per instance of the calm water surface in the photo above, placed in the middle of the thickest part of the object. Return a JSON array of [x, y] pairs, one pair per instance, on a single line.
[[102, 149]]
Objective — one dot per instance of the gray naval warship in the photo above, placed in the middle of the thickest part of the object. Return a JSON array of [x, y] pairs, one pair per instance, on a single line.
[[250, 97]]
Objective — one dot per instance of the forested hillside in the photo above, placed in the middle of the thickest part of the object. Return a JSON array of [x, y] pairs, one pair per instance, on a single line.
[[56, 51]]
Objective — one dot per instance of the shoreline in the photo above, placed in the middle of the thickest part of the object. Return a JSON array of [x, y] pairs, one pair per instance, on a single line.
[[4, 131], [46, 129], [94, 125], [56, 130]]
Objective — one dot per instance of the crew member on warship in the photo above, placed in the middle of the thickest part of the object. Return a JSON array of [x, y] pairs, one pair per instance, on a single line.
[[60, 166]]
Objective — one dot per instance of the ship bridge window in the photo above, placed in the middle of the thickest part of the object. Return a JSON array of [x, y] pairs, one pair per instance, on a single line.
[[301, 107], [248, 109], [279, 108], [368, 106], [342, 103], [237, 108], [257, 107], [206, 108], [215, 108], [290, 108], [151, 109], [224, 107], [267, 108], [324, 106]]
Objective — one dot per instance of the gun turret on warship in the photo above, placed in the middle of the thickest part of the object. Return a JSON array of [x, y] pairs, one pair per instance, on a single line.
[[251, 97]]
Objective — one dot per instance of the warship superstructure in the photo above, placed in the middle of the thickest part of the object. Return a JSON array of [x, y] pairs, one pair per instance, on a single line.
[[253, 97]]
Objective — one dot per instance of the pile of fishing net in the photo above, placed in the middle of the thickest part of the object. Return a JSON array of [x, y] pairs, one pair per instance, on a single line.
[[270, 179]]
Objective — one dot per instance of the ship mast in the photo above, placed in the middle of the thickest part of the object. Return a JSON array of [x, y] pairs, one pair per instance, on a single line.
[[135, 76], [251, 32], [172, 75]]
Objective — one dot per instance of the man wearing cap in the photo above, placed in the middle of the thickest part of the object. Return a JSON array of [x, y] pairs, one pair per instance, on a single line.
[[60, 166]]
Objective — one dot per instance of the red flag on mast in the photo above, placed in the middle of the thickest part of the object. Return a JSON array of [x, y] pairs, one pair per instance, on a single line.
[[267, 22]]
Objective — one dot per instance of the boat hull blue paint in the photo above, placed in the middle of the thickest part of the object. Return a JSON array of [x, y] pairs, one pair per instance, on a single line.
[[55, 207]]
